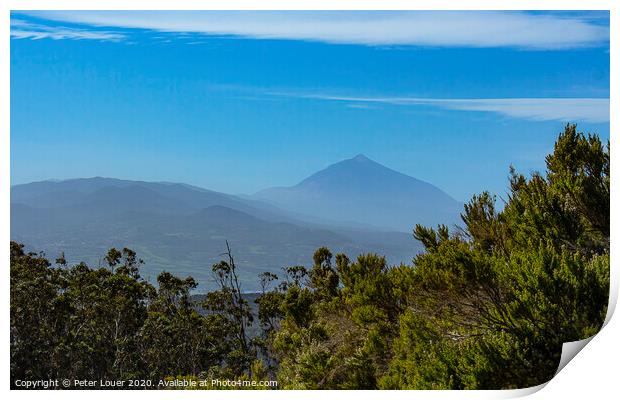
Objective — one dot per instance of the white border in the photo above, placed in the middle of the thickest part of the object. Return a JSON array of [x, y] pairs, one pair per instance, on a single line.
[[592, 373]]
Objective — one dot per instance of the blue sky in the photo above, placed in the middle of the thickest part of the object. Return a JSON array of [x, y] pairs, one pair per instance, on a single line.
[[237, 102]]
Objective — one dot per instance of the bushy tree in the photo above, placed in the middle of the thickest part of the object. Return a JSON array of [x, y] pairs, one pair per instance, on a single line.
[[510, 287]]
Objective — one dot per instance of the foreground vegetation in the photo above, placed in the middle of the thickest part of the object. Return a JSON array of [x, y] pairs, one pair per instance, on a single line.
[[485, 306]]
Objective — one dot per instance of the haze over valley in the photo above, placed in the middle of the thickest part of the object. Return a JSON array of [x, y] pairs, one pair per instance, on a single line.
[[354, 206]]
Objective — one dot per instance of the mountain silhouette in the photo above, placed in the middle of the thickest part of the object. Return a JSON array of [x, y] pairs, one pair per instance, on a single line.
[[362, 191]]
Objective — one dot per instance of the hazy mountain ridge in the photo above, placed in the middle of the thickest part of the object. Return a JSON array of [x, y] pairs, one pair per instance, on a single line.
[[186, 198], [183, 228]]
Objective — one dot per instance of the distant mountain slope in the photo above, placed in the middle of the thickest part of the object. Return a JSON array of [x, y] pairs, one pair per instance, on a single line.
[[178, 228], [363, 191], [117, 194]]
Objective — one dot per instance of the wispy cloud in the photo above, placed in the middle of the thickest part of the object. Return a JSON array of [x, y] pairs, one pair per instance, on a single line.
[[419, 28], [538, 109], [26, 30]]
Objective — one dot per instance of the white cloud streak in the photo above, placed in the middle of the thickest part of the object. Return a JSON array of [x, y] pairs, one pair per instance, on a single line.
[[595, 110], [418, 28], [26, 30]]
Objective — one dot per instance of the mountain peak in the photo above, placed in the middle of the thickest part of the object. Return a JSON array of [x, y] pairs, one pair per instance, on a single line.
[[360, 157], [362, 190]]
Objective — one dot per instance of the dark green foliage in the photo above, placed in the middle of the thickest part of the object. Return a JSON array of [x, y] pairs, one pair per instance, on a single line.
[[506, 291], [323, 278], [108, 323], [35, 308], [75, 322]]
